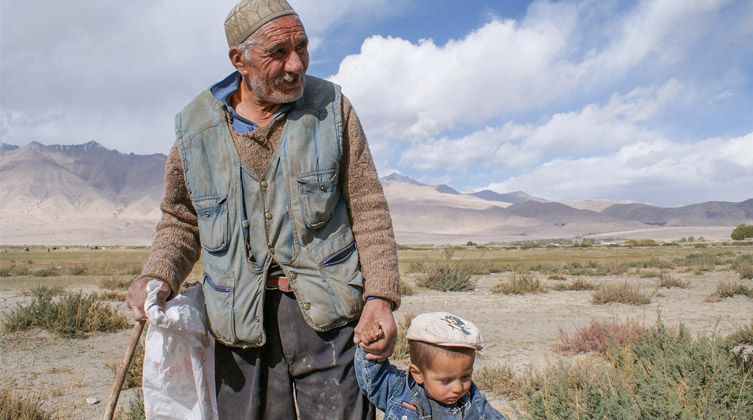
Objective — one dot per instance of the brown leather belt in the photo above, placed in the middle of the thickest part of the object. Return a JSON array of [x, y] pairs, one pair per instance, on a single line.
[[280, 283]]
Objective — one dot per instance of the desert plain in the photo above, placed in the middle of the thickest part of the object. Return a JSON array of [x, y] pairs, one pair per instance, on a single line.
[[72, 376]]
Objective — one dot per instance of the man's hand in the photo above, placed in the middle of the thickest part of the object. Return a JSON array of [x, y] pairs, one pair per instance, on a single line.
[[137, 295], [376, 330]]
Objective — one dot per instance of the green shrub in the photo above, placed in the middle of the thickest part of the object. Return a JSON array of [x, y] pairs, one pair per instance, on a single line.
[[447, 275], [416, 267], [519, 283], [13, 407], [71, 315], [622, 293], [742, 232], [662, 375], [728, 289], [666, 280], [599, 336]]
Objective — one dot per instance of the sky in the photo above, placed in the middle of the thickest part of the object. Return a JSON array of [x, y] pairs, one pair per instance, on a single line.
[[647, 101]]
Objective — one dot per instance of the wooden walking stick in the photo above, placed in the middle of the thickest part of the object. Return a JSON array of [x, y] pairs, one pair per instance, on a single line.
[[125, 363]]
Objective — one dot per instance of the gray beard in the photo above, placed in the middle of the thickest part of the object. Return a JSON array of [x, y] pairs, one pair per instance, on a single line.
[[269, 94]]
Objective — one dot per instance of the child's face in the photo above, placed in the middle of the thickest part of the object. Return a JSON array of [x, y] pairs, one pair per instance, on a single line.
[[448, 378]]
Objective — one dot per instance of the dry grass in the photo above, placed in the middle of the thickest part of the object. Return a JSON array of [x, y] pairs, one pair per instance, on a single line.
[[620, 293], [15, 407], [519, 283], [599, 336]]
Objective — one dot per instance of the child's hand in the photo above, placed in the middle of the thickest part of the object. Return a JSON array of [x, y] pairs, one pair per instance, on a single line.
[[370, 334]]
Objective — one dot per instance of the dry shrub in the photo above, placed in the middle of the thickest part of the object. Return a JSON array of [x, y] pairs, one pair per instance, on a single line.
[[135, 411], [72, 315], [116, 283], [497, 380], [135, 369], [666, 280], [622, 293], [556, 277], [577, 285], [599, 336], [729, 289], [14, 407], [447, 275], [401, 350], [519, 283], [406, 289], [743, 265]]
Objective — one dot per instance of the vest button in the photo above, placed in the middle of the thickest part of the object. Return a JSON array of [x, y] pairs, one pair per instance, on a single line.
[[268, 216], [323, 188], [264, 183], [271, 250], [307, 306], [293, 276], [207, 214]]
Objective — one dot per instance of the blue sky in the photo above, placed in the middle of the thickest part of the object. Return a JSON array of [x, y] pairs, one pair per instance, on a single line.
[[649, 101]]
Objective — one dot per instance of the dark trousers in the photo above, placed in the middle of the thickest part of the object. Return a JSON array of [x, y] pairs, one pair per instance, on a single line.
[[299, 372]]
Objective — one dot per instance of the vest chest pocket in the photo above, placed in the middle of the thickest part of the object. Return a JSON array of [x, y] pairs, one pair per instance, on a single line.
[[318, 192], [212, 213]]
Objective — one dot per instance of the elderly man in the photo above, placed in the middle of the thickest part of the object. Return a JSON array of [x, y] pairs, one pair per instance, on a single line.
[[272, 183]]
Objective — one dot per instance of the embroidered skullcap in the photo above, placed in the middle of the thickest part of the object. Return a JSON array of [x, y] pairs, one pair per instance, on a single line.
[[446, 330], [249, 15]]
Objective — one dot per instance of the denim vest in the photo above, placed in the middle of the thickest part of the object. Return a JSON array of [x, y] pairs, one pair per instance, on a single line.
[[293, 214]]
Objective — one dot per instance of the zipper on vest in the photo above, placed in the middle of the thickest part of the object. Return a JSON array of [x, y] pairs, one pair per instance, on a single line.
[[222, 289], [339, 256]]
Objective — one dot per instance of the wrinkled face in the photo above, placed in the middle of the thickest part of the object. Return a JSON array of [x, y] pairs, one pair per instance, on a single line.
[[448, 378], [275, 68]]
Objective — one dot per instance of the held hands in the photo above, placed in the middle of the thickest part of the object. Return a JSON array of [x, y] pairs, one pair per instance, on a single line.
[[376, 330], [137, 295]]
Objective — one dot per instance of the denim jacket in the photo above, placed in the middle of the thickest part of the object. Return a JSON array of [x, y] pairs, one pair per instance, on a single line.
[[401, 398], [293, 215]]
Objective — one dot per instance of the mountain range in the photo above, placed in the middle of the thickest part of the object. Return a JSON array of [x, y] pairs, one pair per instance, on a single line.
[[90, 195]]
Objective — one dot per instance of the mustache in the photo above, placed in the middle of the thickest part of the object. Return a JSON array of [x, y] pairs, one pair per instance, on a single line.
[[287, 77]]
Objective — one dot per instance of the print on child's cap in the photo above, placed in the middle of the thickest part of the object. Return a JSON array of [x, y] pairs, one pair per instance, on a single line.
[[445, 329]]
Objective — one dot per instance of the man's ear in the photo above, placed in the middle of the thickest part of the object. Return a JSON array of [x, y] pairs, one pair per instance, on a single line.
[[415, 372], [236, 57]]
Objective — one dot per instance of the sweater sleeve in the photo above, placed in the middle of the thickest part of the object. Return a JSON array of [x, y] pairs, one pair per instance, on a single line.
[[369, 214], [176, 246]]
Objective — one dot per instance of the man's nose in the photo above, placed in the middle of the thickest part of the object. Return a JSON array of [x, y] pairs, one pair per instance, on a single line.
[[293, 64]]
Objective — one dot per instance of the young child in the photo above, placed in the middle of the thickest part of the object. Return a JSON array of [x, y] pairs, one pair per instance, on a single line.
[[438, 382]]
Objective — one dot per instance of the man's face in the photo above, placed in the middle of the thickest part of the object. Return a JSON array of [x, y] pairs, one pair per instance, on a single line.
[[448, 378], [275, 69]]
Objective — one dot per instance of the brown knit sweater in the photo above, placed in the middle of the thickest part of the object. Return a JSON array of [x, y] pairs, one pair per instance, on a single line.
[[176, 245]]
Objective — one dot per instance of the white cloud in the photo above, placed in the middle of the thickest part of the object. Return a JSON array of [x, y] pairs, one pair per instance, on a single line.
[[594, 128], [662, 172], [406, 90]]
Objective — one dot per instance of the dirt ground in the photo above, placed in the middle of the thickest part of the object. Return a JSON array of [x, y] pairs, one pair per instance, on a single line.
[[519, 330]]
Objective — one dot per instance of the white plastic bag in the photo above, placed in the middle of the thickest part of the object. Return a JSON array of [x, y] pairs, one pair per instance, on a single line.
[[178, 380]]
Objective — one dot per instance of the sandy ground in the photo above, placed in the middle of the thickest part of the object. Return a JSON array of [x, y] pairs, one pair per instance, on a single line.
[[519, 331]]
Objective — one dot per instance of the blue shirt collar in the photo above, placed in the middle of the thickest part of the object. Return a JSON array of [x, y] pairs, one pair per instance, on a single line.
[[222, 91]]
